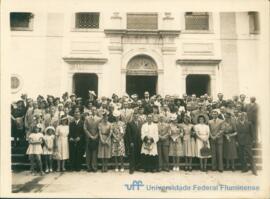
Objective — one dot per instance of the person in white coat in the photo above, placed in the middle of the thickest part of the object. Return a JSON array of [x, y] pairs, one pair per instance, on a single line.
[[149, 135]]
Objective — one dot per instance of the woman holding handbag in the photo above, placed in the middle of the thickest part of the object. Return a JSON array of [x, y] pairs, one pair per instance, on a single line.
[[202, 141], [228, 128]]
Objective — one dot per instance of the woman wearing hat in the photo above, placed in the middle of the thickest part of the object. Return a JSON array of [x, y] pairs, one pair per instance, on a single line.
[[62, 147], [104, 147], [202, 140], [189, 143], [228, 128], [118, 146], [176, 146]]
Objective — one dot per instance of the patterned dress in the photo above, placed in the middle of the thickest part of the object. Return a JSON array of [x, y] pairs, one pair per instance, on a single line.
[[189, 143], [118, 132], [176, 146]]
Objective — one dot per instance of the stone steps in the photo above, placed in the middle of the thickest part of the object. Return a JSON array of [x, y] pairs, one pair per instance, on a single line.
[[20, 160]]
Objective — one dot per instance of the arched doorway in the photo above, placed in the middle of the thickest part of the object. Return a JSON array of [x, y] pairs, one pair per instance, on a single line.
[[198, 84], [141, 75], [83, 82]]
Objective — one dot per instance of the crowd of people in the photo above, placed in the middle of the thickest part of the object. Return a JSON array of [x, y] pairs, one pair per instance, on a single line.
[[147, 132]]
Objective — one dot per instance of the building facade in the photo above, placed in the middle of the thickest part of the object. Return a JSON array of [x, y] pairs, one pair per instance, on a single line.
[[84, 47]]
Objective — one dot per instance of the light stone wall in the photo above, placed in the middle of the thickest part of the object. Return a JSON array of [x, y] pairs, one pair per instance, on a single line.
[[37, 56]]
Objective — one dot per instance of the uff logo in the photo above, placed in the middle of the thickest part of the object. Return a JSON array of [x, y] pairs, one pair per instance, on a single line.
[[135, 185]]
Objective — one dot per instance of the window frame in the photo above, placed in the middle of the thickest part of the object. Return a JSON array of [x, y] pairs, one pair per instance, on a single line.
[[189, 31], [30, 22], [77, 29], [254, 22]]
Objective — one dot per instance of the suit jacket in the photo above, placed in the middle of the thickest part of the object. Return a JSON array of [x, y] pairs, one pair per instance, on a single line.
[[244, 133], [147, 106], [215, 127], [76, 130], [133, 135], [252, 112]]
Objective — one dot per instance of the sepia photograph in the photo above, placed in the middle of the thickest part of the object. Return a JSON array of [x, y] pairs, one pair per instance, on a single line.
[[135, 99]]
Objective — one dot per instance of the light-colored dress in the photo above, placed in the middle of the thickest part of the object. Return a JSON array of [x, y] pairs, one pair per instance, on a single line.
[[202, 131], [189, 144], [104, 150], [49, 144], [118, 144], [150, 131], [35, 149], [61, 134], [176, 146]]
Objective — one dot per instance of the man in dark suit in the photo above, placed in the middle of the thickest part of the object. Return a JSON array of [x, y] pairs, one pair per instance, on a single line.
[[245, 138], [76, 140], [133, 142], [252, 115]]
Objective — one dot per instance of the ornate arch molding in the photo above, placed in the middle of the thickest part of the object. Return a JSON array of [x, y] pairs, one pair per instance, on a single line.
[[151, 53]]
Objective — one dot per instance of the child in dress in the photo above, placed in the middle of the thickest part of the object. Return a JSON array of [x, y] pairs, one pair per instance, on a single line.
[[48, 147], [35, 149]]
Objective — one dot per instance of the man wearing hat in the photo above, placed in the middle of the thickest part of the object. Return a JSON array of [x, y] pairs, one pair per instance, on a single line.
[[91, 132], [92, 96], [72, 98], [216, 141]]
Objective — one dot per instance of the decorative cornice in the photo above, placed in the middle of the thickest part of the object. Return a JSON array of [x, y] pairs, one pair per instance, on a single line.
[[198, 61], [85, 60], [121, 32]]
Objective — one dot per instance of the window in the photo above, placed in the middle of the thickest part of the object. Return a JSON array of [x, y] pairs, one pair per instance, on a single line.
[[87, 20], [197, 21], [21, 20], [142, 21], [254, 26], [16, 83]]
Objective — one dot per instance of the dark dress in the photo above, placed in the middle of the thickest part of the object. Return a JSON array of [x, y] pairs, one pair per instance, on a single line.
[[230, 150]]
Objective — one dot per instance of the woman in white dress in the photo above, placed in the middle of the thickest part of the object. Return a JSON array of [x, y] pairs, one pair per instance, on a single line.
[[202, 139], [62, 149]]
